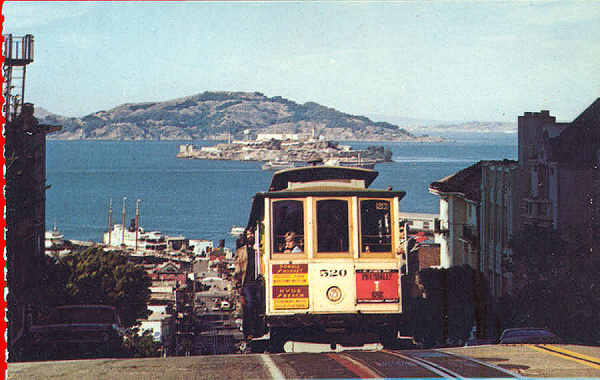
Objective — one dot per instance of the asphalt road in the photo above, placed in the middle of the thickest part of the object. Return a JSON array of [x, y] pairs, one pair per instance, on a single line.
[[493, 361]]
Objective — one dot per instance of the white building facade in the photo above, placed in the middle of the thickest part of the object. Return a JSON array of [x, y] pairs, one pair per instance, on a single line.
[[458, 229], [499, 219]]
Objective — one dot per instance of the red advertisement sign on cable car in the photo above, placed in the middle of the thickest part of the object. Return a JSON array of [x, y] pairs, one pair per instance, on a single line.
[[377, 286]]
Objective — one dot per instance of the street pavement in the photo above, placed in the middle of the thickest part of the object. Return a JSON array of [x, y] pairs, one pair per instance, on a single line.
[[170, 368], [557, 361], [530, 361]]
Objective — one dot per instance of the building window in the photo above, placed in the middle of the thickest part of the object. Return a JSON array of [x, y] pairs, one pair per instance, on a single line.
[[332, 225], [288, 222], [375, 227], [426, 225]]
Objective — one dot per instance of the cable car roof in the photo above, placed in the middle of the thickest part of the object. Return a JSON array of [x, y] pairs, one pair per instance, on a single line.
[[281, 178]]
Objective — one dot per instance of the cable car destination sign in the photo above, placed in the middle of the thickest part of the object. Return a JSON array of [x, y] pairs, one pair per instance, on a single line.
[[290, 286]]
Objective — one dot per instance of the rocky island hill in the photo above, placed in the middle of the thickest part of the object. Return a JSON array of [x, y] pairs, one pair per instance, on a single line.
[[288, 149], [218, 115]]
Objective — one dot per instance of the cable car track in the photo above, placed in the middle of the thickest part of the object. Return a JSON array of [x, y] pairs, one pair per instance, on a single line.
[[433, 367], [399, 364], [391, 364]]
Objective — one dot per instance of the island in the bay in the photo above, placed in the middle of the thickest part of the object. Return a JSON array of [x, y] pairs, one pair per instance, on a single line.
[[275, 130], [288, 150]]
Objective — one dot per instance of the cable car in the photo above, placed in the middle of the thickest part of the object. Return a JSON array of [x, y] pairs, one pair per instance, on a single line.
[[329, 257]]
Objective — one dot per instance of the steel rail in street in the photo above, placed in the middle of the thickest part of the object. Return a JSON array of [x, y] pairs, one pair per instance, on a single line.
[[433, 367], [490, 365], [358, 367]]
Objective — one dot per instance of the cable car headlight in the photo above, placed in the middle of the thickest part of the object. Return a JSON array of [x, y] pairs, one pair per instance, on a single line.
[[334, 294]]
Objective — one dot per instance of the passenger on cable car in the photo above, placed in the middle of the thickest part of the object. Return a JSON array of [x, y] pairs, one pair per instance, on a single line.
[[291, 246], [245, 278]]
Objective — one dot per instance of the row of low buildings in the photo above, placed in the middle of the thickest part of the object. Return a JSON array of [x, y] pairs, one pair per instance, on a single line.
[[183, 295], [554, 184]]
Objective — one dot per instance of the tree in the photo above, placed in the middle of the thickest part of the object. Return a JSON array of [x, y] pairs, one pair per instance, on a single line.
[[539, 254], [93, 276], [556, 285], [453, 301], [142, 345]]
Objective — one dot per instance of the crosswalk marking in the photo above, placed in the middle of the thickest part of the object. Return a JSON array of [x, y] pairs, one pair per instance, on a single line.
[[273, 370]]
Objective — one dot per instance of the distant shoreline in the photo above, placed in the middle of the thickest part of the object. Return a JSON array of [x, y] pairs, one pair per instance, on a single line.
[[418, 140], [446, 137]]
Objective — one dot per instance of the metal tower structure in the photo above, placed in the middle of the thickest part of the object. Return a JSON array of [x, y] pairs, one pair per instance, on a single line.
[[18, 53]]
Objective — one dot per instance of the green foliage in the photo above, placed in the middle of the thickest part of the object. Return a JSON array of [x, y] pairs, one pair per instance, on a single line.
[[93, 276], [556, 286], [538, 255], [453, 300], [138, 345]]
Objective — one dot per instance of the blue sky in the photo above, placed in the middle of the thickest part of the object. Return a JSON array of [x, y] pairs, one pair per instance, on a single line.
[[446, 60]]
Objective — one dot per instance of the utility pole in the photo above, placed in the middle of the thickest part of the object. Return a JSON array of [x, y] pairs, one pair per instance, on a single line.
[[123, 224], [137, 221], [109, 220]]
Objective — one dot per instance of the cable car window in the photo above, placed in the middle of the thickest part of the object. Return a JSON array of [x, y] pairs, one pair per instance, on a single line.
[[288, 226], [332, 225], [375, 226]]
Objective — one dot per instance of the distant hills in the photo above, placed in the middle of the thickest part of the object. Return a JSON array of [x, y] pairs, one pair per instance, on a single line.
[[215, 115], [425, 126]]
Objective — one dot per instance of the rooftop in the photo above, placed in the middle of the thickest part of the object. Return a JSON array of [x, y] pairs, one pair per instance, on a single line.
[[320, 173], [466, 182]]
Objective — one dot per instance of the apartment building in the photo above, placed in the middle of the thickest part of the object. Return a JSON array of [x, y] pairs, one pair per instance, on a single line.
[[458, 229], [498, 220], [558, 165]]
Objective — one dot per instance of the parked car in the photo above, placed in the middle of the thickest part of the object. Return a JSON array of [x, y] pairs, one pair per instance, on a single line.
[[528, 335], [479, 341], [77, 331]]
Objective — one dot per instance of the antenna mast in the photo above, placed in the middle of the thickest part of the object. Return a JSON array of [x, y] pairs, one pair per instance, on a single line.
[[109, 220], [137, 221], [18, 53], [123, 224]]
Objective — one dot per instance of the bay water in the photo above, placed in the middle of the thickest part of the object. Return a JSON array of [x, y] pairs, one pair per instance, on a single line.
[[203, 199]]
